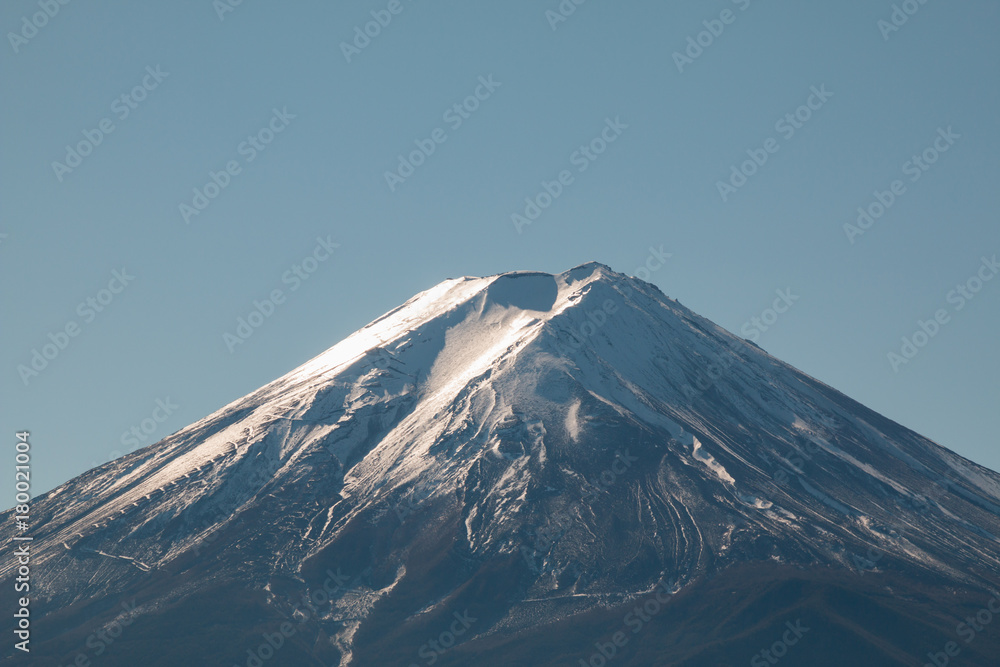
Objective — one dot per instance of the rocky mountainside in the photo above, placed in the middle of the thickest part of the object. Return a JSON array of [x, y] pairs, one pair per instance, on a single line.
[[525, 469]]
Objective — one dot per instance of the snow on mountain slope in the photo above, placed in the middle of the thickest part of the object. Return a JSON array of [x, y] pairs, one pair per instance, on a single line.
[[583, 425]]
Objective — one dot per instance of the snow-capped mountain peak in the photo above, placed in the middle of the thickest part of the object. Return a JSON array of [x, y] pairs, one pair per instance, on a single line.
[[580, 432]]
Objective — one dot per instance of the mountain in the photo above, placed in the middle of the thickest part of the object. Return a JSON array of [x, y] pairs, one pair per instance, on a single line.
[[524, 469]]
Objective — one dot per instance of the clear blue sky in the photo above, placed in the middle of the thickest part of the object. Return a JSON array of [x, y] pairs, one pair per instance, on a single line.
[[279, 72]]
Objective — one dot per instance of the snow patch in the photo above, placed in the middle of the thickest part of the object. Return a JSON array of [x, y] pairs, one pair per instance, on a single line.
[[572, 422], [710, 462]]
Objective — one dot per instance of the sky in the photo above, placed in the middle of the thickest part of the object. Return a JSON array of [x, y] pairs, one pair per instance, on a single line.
[[167, 169]]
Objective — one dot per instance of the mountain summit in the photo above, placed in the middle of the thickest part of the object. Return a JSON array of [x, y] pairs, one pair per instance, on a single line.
[[525, 469]]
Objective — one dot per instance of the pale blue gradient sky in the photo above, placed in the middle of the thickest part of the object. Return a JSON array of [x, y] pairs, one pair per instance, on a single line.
[[162, 337]]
